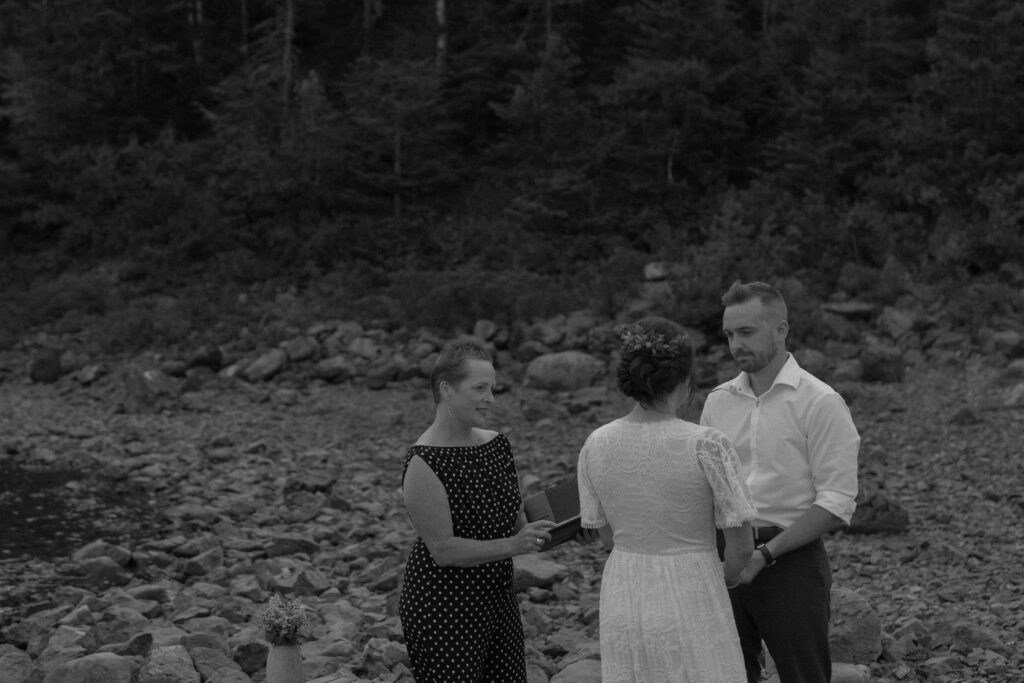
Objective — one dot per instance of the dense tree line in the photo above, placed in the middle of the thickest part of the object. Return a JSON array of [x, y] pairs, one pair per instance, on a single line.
[[532, 136]]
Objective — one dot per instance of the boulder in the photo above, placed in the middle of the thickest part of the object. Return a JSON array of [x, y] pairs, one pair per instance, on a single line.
[[896, 322], [335, 369], [583, 671], [121, 556], [564, 371], [15, 665], [1010, 343], [876, 513], [146, 389], [266, 366], [813, 361], [536, 570], [300, 349], [882, 362], [855, 629], [102, 667], [45, 366], [170, 664]]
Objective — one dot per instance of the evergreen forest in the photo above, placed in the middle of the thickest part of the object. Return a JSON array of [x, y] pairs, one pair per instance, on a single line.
[[504, 158]]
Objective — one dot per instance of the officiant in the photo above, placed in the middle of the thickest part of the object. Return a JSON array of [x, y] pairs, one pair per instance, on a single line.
[[458, 609]]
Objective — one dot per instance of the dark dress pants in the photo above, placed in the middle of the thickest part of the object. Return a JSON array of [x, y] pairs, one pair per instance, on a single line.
[[787, 606]]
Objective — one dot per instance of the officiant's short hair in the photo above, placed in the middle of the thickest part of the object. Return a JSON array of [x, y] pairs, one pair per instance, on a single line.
[[450, 365]]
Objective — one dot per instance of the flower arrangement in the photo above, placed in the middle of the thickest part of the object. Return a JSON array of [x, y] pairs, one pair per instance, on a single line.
[[656, 345], [283, 621]]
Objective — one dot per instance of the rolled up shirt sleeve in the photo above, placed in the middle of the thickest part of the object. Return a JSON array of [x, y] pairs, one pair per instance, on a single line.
[[833, 444]]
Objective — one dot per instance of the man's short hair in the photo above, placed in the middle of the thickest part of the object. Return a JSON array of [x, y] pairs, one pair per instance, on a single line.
[[742, 292]]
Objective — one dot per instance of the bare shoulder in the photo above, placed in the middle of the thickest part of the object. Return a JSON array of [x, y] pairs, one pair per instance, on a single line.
[[483, 436]]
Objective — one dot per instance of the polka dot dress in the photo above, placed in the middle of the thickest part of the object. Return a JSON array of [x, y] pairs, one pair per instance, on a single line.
[[462, 624]]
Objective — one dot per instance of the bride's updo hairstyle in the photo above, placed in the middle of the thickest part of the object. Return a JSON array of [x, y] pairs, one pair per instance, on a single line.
[[656, 357]]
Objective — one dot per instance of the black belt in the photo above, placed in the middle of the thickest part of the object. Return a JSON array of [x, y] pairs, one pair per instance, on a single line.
[[766, 533]]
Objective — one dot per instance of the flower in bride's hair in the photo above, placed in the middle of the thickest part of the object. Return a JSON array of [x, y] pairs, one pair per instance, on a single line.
[[657, 345]]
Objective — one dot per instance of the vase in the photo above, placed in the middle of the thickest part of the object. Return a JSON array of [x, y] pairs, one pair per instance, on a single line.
[[284, 664]]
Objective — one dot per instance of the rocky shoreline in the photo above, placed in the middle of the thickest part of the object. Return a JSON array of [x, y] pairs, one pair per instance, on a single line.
[[271, 465]]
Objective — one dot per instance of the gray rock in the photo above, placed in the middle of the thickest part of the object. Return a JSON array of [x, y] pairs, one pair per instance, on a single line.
[[855, 310], [15, 665], [855, 630], [152, 591], [535, 674], [365, 348], [205, 562], [336, 369], [266, 366], [300, 349], [171, 664], [146, 389], [485, 330], [103, 571], [847, 370], [1010, 343], [876, 513], [247, 586], [813, 361], [118, 625], [311, 582], [138, 645], [1014, 396], [839, 328], [549, 332], [583, 671], [536, 570], [564, 371], [291, 544], [207, 356], [882, 363], [967, 636], [531, 349], [121, 556], [64, 644], [209, 661], [194, 547], [965, 416], [251, 656], [102, 667], [896, 322], [228, 675], [45, 366]]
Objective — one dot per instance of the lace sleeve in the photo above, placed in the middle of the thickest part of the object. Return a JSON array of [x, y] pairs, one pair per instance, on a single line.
[[591, 512], [721, 467]]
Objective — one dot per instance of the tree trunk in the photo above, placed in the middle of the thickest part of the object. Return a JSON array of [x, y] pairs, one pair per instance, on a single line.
[[286, 55], [442, 38], [244, 24], [372, 10], [397, 167], [548, 27], [195, 21]]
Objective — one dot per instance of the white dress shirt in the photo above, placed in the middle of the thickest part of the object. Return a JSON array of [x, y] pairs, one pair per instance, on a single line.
[[797, 443]]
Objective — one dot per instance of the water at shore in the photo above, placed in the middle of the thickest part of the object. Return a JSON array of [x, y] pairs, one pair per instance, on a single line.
[[45, 514]]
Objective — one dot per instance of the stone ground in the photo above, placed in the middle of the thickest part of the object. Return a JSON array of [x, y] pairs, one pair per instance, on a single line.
[[949, 591]]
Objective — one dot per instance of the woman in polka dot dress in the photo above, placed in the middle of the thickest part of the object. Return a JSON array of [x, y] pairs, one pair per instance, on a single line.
[[459, 612]]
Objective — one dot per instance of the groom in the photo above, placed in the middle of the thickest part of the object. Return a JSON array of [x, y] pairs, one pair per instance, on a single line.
[[798, 446]]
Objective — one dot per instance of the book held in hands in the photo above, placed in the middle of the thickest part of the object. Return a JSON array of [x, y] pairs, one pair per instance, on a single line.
[[561, 505]]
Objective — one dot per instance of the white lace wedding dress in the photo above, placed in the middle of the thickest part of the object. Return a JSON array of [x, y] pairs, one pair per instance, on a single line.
[[663, 486]]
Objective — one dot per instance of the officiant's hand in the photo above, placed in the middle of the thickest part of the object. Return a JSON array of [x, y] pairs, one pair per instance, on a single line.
[[532, 537]]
